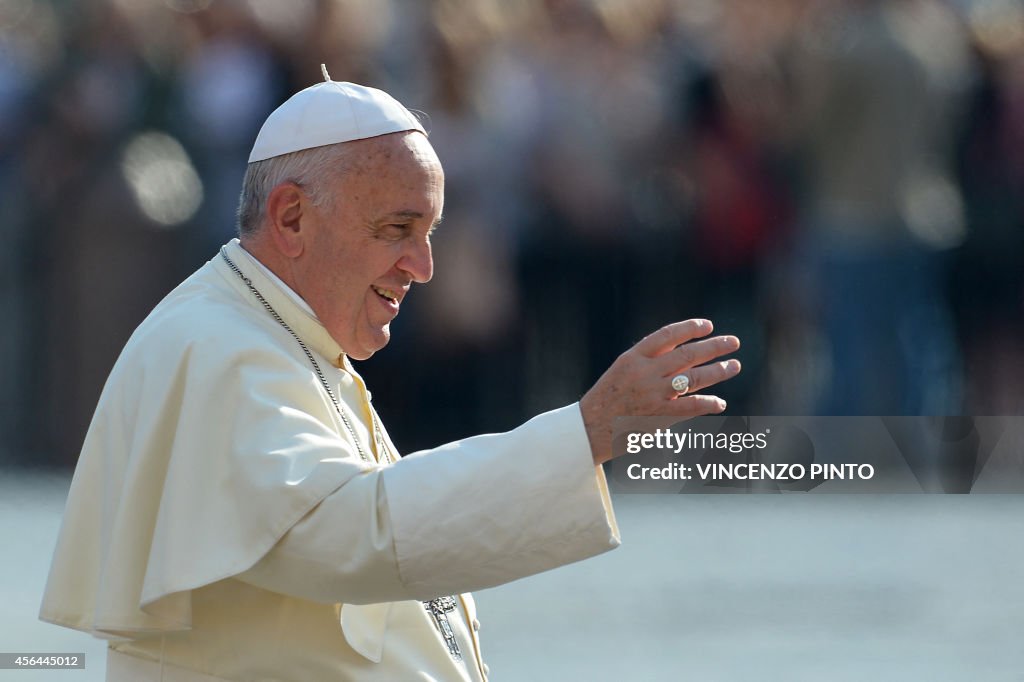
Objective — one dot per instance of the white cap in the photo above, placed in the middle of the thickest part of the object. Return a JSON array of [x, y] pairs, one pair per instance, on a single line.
[[327, 113]]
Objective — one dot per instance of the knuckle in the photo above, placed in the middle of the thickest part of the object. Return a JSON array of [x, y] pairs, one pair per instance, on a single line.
[[686, 354]]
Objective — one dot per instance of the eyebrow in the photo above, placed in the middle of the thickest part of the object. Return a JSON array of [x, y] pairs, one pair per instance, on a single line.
[[411, 215]]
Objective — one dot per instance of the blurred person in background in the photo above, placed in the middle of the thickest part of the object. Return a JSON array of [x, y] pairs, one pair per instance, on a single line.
[[880, 91], [987, 283], [734, 155], [228, 81], [21, 60], [85, 233]]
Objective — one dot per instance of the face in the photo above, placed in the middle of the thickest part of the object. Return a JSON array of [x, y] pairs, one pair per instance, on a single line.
[[363, 253]]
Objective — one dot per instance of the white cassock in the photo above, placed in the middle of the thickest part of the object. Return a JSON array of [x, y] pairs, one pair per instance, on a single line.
[[222, 525]]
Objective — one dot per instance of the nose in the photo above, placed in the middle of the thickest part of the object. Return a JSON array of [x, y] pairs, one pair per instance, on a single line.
[[418, 261]]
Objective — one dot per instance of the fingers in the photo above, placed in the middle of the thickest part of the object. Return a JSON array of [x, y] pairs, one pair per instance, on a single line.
[[704, 376], [696, 353], [697, 406], [671, 335], [639, 382]]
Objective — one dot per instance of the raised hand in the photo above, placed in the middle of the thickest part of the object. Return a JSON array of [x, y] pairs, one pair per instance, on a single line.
[[640, 381]]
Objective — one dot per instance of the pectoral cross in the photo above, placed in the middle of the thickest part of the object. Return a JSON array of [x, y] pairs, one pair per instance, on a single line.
[[439, 609]]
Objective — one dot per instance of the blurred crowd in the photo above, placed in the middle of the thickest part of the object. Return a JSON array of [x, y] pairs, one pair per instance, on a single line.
[[838, 182]]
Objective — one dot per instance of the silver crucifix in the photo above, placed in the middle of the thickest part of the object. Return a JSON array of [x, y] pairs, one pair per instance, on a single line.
[[440, 608]]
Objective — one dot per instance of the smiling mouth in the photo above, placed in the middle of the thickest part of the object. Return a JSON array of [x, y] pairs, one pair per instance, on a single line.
[[386, 294]]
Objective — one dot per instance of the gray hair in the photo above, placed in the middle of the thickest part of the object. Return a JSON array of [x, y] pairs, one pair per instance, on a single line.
[[311, 169]]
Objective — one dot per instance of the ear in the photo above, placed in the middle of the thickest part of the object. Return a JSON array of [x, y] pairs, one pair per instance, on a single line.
[[288, 214]]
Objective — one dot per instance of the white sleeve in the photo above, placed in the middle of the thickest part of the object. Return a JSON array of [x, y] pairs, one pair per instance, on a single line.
[[465, 516]]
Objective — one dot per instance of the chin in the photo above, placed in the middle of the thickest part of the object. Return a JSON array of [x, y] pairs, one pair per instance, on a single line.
[[366, 351]]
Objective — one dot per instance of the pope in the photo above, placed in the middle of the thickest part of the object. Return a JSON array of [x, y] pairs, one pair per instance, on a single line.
[[239, 512]]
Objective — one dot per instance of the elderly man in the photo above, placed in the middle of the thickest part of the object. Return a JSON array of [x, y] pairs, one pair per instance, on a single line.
[[238, 511]]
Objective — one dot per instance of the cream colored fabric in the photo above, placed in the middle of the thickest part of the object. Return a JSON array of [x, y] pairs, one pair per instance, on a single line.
[[468, 515], [241, 632], [275, 280], [123, 667], [220, 506]]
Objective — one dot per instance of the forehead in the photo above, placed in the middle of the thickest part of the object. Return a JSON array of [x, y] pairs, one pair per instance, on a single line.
[[406, 158], [389, 175]]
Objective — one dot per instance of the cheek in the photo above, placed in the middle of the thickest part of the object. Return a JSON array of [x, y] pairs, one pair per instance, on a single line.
[[349, 297]]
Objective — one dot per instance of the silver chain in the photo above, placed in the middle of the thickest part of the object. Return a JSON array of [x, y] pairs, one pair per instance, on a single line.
[[435, 607], [375, 429]]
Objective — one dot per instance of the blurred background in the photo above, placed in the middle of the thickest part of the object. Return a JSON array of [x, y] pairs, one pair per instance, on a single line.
[[838, 182]]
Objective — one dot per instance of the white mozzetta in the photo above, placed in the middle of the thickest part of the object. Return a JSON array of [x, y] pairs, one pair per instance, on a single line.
[[222, 523]]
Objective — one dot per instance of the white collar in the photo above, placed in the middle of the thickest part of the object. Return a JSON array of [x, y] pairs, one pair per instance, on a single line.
[[298, 300]]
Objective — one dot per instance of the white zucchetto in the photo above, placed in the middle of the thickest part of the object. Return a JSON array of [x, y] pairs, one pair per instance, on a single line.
[[328, 113]]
